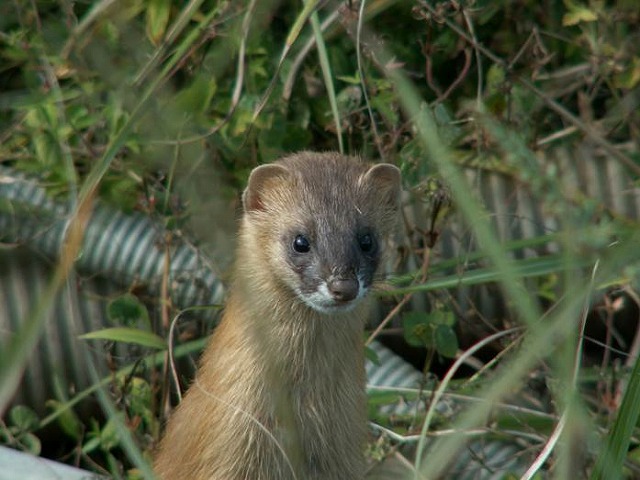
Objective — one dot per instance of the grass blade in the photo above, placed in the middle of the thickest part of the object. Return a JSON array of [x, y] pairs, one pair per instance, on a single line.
[[127, 335], [326, 73], [533, 267], [611, 459]]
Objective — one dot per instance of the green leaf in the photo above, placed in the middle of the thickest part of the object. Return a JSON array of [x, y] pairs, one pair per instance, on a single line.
[[140, 397], [446, 341], [349, 99], [418, 331], [443, 317], [496, 76], [308, 9], [67, 419], [380, 398], [31, 443], [109, 437], [24, 418], [157, 19], [629, 78], [611, 458], [197, 97], [578, 14], [127, 335], [91, 445], [351, 79], [127, 310], [371, 355], [384, 103]]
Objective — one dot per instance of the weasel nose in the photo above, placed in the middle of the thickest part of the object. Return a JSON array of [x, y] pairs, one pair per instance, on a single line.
[[343, 289]]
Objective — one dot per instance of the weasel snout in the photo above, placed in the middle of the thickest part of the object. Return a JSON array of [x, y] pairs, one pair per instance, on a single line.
[[343, 289]]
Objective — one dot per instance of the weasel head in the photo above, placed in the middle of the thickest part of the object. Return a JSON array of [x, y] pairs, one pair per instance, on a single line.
[[315, 225]]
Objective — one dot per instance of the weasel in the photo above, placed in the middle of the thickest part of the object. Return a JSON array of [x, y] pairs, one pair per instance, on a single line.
[[279, 393]]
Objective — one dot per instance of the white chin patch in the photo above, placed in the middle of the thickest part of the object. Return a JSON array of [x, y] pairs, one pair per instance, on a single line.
[[322, 301]]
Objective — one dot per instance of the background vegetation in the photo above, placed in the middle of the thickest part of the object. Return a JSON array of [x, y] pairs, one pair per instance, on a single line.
[[163, 107]]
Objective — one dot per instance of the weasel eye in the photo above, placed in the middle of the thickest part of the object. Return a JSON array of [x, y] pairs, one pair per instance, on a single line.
[[366, 243], [301, 244]]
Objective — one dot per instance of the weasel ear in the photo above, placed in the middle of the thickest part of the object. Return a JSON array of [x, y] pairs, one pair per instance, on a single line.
[[262, 178], [384, 181]]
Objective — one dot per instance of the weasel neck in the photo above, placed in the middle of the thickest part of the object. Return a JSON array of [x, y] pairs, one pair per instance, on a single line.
[[291, 337]]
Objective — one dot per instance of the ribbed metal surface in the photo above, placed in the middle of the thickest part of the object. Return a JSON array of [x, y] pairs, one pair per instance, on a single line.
[[118, 251], [127, 248], [390, 370], [77, 310]]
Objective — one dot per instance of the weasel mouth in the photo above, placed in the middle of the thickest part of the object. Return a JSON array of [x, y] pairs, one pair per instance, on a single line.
[[335, 296], [331, 306]]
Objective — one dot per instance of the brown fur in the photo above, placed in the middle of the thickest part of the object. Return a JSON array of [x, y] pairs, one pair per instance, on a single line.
[[280, 390]]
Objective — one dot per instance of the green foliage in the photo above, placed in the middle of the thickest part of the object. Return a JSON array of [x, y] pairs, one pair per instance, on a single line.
[[67, 420], [18, 433], [127, 335], [431, 330], [126, 310], [616, 449], [129, 103]]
